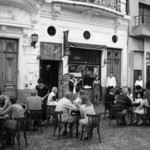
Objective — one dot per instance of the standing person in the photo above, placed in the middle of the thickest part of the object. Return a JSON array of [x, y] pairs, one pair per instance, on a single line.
[[71, 83], [43, 93], [139, 82], [96, 88], [110, 82], [138, 86]]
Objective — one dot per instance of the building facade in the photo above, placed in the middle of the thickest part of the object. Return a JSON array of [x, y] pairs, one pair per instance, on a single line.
[[81, 37], [139, 42]]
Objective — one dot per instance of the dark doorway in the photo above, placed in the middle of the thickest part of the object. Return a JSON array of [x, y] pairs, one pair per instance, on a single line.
[[49, 73]]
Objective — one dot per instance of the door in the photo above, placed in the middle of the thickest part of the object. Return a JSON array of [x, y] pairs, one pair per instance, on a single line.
[[51, 74], [8, 65], [114, 64]]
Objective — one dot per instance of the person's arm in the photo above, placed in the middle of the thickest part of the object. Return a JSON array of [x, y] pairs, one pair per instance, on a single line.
[[114, 82], [70, 106], [7, 111], [7, 102], [81, 112]]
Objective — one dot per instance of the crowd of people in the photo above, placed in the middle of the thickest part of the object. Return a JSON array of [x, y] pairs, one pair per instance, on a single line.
[[73, 99]]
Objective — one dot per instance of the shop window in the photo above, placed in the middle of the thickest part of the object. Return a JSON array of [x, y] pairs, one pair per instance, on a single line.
[[86, 72]]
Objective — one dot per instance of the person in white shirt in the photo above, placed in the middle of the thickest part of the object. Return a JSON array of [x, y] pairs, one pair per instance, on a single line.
[[53, 93], [139, 82], [110, 82]]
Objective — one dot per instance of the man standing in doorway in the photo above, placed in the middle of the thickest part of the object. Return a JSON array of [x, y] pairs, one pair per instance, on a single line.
[[111, 82]]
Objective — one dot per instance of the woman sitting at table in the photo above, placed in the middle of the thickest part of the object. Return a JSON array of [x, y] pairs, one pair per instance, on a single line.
[[144, 102], [14, 111], [85, 108]]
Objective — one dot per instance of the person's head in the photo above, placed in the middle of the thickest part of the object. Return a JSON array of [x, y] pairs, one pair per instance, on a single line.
[[124, 91], [82, 92], [112, 91], [68, 95], [129, 90], [147, 95], [85, 100], [77, 89], [13, 99], [34, 92], [111, 74], [139, 78], [139, 95], [40, 82], [54, 98], [54, 89], [72, 77]]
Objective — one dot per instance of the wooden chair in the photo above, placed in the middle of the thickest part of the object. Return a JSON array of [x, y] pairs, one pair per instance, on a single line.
[[115, 113], [50, 111], [59, 124], [20, 128], [93, 123], [145, 117], [35, 116]]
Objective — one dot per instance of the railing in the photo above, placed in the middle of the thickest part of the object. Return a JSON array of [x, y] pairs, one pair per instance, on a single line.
[[113, 4], [142, 19]]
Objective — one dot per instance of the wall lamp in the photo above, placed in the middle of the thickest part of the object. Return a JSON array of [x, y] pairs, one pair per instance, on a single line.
[[34, 38]]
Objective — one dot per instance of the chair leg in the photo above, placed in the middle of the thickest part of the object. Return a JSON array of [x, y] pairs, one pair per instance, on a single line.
[[24, 134], [82, 132], [55, 129], [18, 140], [98, 132], [59, 131]]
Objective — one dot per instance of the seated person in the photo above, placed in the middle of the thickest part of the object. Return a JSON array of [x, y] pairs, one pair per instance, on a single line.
[[65, 105], [4, 101], [77, 102], [123, 104], [123, 100], [34, 101], [144, 102], [139, 98], [85, 108], [14, 111], [53, 93], [54, 101], [110, 96]]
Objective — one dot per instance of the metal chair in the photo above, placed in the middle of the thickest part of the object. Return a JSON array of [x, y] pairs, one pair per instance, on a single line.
[[35, 116], [93, 123], [50, 111]]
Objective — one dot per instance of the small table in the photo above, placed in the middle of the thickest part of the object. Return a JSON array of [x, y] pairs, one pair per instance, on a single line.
[[76, 113]]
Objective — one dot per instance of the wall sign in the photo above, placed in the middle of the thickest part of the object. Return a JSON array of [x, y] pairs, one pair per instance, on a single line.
[[51, 51]]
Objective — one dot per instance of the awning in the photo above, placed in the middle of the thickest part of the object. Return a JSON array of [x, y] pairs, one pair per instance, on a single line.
[[86, 46]]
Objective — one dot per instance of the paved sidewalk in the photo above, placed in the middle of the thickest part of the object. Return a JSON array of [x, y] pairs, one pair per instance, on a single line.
[[113, 138]]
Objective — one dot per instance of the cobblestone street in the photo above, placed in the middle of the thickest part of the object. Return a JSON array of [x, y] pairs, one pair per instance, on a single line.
[[113, 138]]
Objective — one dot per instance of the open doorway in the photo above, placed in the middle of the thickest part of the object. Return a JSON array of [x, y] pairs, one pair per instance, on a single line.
[[49, 73]]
